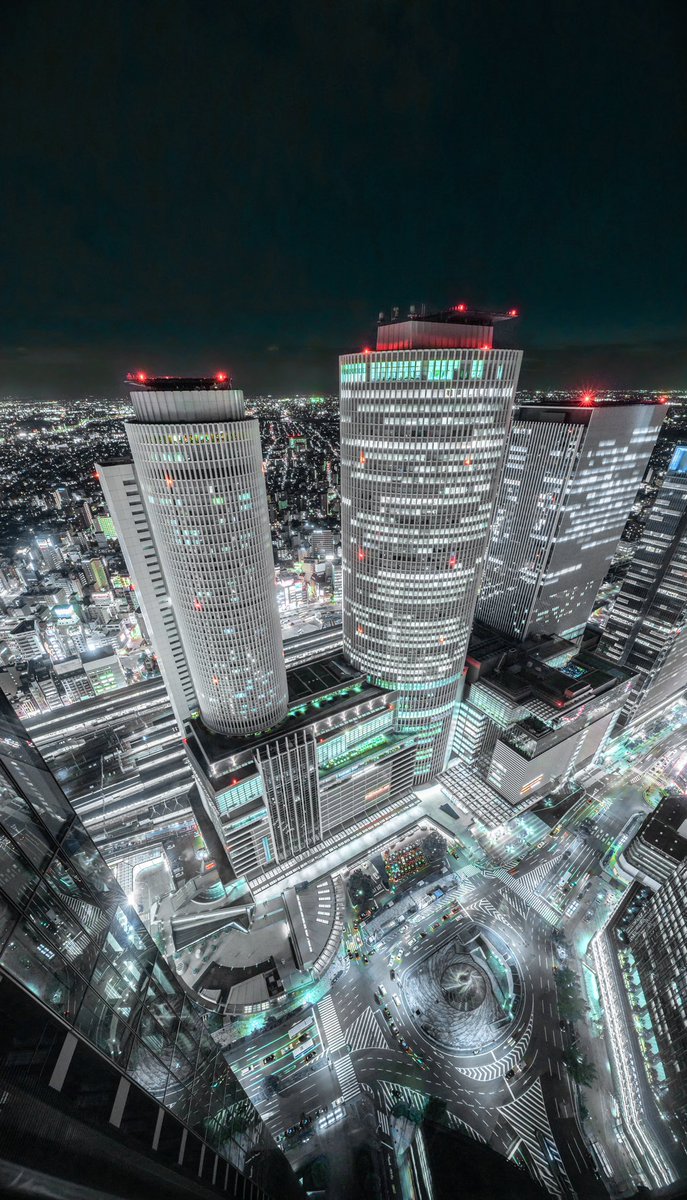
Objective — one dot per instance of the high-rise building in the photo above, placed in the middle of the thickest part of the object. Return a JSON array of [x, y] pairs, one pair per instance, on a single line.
[[424, 422], [198, 470], [275, 779], [111, 1082], [570, 478], [534, 713], [120, 487], [659, 845], [646, 626], [658, 943], [328, 771]]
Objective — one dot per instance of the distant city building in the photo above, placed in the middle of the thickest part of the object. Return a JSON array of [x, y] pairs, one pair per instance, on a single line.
[[107, 527], [73, 681], [570, 478], [104, 671], [647, 626], [99, 572], [25, 642], [424, 422]]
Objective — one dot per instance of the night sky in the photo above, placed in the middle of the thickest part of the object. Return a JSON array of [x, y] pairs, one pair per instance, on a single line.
[[243, 185]]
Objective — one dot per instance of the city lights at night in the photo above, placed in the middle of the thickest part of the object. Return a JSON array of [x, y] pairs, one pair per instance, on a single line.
[[343, 602]]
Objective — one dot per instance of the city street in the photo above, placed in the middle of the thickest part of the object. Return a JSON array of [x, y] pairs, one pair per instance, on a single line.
[[373, 1044]]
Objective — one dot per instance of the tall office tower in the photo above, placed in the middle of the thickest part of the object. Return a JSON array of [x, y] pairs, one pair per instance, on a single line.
[[570, 479], [111, 1082], [198, 467], [646, 626], [424, 422], [658, 943]]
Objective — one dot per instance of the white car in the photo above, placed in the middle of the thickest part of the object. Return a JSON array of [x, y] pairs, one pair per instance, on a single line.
[[397, 999], [382, 990]]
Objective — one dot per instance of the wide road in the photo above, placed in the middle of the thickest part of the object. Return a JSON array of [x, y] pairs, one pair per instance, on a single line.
[[530, 1114], [371, 1044]]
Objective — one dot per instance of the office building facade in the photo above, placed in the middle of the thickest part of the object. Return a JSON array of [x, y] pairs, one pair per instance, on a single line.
[[658, 942], [333, 765], [125, 503], [646, 626], [198, 465], [424, 422], [110, 1078], [570, 478], [534, 713]]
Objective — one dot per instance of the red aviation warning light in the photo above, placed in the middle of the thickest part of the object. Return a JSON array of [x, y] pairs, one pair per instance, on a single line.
[[663, 400], [512, 312], [461, 308], [588, 398], [141, 376], [221, 377]]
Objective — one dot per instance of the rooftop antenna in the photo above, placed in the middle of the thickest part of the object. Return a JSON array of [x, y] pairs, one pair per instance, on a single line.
[[394, 313]]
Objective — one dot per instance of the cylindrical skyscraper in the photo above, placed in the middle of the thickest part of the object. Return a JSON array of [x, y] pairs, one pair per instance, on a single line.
[[424, 421], [199, 465]]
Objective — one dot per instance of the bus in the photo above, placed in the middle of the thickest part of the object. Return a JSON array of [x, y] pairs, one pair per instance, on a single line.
[[300, 1027], [304, 1048]]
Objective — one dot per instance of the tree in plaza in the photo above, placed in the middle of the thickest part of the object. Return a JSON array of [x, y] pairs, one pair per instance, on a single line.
[[566, 978], [579, 1069], [433, 847], [360, 888], [571, 1004], [403, 1109]]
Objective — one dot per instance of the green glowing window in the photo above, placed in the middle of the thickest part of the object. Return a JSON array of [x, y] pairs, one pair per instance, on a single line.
[[477, 369], [443, 369], [354, 371]]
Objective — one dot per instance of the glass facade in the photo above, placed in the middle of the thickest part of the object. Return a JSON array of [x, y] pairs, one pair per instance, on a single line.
[[570, 478], [645, 628], [422, 437], [72, 947], [203, 490]]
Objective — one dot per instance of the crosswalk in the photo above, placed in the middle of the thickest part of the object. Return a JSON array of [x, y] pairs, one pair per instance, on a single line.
[[538, 903], [330, 1023], [392, 1093], [534, 878], [335, 1039], [347, 1077], [527, 1117], [366, 1032], [511, 1057]]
